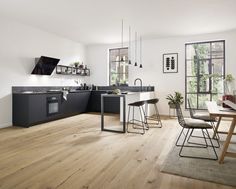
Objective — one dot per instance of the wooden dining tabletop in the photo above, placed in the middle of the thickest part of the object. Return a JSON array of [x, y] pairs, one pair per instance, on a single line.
[[216, 111]]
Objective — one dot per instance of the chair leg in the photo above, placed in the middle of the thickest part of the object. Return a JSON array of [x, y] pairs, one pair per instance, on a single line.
[[212, 145], [216, 128], [204, 138], [217, 136], [203, 133], [176, 143], [197, 157], [183, 144]]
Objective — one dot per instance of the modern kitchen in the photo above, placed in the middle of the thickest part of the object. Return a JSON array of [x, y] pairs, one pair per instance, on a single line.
[[103, 94]]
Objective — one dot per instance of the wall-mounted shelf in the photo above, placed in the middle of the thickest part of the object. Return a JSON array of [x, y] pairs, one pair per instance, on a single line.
[[69, 70]]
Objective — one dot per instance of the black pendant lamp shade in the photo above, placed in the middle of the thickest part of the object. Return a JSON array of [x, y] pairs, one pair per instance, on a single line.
[[140, 66], [122, 30], [130, 45], [135, 56]]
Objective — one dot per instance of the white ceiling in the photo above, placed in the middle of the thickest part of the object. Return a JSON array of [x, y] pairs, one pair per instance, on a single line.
[[99, 21]]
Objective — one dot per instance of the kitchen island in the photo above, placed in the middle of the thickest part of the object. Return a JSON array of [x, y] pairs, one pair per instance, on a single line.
[[131, 97], [125, 100]]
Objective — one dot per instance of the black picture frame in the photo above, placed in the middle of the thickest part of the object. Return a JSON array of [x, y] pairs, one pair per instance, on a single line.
[[170, 63]]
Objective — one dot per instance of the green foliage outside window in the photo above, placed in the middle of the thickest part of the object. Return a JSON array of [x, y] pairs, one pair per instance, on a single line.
[[205, 63]]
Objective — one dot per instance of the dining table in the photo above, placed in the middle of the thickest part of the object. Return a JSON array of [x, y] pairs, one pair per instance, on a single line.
[[220, 112]]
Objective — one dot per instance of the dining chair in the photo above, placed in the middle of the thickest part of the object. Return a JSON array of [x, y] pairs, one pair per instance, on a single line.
[[190, 125], [205, 117]]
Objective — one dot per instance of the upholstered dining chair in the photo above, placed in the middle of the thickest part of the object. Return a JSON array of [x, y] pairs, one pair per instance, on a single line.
[[205, 117], [190, 125]]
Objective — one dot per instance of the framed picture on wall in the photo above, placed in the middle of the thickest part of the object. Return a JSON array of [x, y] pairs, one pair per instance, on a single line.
[[170, 63]]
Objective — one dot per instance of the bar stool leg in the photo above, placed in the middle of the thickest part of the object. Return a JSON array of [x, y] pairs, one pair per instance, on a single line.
[[145, 119], [158, 116], [142, 121], [128, 120]]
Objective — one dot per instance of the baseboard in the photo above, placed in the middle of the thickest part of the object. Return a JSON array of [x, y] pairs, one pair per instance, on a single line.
[[4, 125]]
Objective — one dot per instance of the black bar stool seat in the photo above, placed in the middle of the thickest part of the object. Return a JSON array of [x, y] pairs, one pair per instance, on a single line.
[[133, 121], [152, 101], [138, 103]]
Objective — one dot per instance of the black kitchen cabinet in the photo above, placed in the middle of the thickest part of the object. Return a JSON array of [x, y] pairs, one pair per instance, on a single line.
[[83, 101], [95, 101], [111, 105], [76, 103], [31, 109]]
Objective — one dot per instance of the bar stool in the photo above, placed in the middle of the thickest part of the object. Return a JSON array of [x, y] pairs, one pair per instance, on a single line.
[[155, 117], [139, 105]]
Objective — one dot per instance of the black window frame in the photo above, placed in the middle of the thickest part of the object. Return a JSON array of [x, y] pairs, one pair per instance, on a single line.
[[126, 61], [198, 77]]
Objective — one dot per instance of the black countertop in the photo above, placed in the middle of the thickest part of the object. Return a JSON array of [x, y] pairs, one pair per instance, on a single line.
[[28, 90]]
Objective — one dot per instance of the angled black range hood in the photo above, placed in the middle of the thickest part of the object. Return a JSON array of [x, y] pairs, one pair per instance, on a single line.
[[45, 65]]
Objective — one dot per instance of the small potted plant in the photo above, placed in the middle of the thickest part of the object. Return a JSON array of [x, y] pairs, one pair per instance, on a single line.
[[76, 64], [177, 98]]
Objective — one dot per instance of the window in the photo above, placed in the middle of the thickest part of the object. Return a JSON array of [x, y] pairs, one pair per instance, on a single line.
[[118, 68], [204, 72]]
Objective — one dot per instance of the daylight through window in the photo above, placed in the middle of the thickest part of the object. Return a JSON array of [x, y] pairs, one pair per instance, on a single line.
[[118, 65], [205, 71]]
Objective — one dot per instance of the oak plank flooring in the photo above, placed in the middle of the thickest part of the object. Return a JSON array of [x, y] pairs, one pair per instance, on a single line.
[[74, 153]]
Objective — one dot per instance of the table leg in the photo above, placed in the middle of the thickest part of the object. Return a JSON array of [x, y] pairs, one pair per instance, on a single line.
[[226, 143], [217, 126]]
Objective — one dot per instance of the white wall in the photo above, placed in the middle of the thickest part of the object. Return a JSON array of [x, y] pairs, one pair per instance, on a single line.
[[152, 73], [19, 45]]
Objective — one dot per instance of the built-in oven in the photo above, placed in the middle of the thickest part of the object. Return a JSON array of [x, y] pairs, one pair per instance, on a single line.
[[53, 105]]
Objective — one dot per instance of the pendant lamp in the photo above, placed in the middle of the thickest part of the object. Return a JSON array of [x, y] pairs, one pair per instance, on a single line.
[[122, 30], [130, 45], [140, 66], [135, 50]]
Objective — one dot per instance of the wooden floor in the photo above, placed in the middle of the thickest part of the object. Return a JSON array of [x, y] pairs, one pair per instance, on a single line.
[[74, 153]]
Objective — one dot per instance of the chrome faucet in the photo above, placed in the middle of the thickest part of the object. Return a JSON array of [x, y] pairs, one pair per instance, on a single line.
[[141, 83]]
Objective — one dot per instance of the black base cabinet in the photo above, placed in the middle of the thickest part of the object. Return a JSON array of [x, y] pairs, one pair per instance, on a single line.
[[32, 109], [111, 105], [76, 103]]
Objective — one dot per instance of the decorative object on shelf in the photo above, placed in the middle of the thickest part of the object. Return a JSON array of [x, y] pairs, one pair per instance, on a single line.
[[170, 63], [71, 70], [116, 91], [135, 50], [177, 98], [140, 66], [76, 64], [81, 66]]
